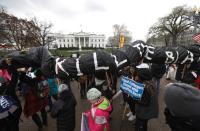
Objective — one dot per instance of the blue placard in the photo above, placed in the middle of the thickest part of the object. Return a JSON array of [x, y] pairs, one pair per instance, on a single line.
[[5, 103], [134, 89]]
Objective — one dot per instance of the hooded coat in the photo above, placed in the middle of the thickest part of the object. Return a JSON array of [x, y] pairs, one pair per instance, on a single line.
[[64, 110], [98, 115], [182, 107]]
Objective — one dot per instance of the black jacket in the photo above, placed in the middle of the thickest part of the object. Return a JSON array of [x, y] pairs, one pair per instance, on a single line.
[[64, 110], [181, 123], [158, 70]]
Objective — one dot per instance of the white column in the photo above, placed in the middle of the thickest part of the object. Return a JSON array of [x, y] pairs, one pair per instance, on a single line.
[[79, 43], [74, 42], [89, 41], [84, 41], [70, 42]]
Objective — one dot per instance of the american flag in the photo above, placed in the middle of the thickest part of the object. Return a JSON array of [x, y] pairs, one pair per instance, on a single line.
[[197, 38]]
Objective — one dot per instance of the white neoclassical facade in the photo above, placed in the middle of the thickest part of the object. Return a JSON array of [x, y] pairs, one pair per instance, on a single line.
[[79, 40]]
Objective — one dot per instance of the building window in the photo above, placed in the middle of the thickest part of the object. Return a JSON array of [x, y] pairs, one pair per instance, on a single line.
[[59, 40], [72, 40], [63, 40], [99, 40], [102, 40], [91, 40], [95, 40], [67, 40]]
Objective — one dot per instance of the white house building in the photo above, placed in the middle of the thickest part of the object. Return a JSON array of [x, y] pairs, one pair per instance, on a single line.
[[79, 40]]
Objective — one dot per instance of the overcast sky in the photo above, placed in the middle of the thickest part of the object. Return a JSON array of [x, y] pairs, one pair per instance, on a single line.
[[97, 16]]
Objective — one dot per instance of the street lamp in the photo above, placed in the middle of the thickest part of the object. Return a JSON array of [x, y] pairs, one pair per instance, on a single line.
[[196, 18]]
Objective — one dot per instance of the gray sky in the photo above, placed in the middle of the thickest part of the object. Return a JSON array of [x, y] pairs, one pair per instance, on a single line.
[[96, 16]]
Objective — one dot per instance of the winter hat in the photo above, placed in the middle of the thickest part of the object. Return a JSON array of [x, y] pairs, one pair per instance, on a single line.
[[144, 74], [182, 100], [142, 66], [93, 94], [62, 87]]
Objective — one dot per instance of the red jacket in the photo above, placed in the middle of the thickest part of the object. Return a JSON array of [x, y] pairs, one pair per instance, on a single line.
[[98, 115]]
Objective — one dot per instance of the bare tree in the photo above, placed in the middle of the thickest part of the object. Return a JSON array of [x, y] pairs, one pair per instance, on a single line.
[[3, 28], [19, 32], [23, 33], [172, 25], [45, 30]]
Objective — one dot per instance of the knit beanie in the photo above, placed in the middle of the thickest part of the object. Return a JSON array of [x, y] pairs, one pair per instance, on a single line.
[[144, 74], [143, 71], [182, 100], [93, 94]]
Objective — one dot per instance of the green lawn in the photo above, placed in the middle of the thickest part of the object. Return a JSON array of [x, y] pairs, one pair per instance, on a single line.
[[67, 53], [60, 52]]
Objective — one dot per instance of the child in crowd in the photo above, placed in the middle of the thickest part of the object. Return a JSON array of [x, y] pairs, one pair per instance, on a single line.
[[98, 115]]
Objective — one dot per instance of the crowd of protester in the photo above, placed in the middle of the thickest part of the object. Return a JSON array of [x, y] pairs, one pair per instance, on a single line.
[[182, 97]]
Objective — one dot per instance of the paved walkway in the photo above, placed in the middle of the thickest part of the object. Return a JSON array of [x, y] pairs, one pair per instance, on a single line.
[[116, 123]]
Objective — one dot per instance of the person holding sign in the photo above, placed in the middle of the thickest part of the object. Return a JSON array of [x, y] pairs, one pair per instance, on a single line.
[[9, 114], [8, 84], [127, 79], [146, 108]]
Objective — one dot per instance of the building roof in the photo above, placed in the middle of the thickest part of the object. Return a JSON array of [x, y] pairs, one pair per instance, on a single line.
[[81, 33]]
